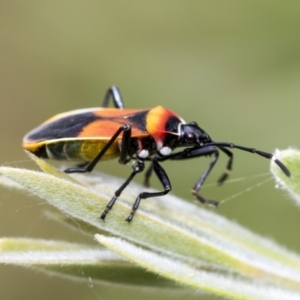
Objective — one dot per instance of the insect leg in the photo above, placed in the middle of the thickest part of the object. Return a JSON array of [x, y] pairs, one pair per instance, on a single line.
[[185, 154], [136, 169], [124, 151], [163, 178], [228, 167], [113, 92], [148, 175], [196, 188], [198, 152], [192, 153]]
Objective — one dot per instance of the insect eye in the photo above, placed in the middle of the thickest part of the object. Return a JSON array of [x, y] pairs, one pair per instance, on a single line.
[[190, 136]]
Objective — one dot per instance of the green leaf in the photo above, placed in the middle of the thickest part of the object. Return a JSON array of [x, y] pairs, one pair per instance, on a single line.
[[77, 261], [169, 228], [228, 285], [291, 159]]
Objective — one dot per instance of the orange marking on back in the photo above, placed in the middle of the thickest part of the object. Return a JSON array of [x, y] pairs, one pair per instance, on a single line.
[[112, 120], [156, 121]]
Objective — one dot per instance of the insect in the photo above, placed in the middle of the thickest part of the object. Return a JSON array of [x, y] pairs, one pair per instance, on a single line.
[[87, 136]]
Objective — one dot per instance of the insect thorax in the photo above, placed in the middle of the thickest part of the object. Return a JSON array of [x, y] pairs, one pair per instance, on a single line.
[[142, 147]]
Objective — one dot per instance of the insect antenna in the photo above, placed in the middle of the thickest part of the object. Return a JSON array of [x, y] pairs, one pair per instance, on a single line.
[[251, 150]]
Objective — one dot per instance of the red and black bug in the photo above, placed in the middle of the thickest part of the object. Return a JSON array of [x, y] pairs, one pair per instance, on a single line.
[[90, 135]]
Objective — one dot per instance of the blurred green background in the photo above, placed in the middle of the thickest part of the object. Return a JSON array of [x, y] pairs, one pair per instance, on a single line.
[[234, 67]]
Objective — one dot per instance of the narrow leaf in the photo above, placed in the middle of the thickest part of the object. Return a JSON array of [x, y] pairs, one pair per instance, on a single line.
[[77, 261], [175, 228], [223, 285]]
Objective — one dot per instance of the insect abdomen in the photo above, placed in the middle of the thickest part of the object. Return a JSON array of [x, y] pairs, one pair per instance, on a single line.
[[74, 150]]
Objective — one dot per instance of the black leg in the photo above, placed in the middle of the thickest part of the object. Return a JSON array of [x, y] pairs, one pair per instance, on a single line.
[[196, 188], [113, 92], [188, 153], [228, 167], [136, 169], [123, 155], [125, 145], [198, 152], [193, 153], [163, 178], [148, 175]]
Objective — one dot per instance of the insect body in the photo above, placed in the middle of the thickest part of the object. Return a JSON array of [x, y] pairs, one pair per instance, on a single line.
[[90, 135]]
